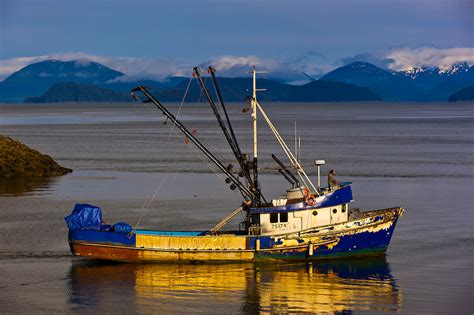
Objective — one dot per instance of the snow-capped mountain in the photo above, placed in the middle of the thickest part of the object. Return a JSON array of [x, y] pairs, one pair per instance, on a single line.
[[388, 84], [444, 71], [457, 68], [442, 79], [430, 83], [413, 72]]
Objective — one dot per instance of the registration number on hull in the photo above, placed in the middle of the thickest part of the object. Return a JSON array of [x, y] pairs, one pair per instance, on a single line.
[[283, 226]]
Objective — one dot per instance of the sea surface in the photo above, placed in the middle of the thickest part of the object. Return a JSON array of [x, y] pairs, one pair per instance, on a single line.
[[140, 170]]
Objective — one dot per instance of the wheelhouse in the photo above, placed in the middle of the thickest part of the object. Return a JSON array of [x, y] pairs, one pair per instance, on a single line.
[[293, 213]]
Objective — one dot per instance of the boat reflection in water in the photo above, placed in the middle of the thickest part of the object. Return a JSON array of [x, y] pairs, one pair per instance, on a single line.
[[327, 287]]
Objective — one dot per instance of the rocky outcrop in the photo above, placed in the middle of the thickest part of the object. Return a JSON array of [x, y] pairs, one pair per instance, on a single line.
[[19, 160]]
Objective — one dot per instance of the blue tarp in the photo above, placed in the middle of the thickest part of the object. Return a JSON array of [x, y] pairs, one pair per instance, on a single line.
[[84, 216], [122, 227]]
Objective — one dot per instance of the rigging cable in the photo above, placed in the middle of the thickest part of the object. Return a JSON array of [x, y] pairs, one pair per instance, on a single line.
[[291, 157], [146, 204]]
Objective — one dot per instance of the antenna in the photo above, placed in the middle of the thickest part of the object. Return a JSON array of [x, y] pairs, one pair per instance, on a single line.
[[296, 147], [299, 149]]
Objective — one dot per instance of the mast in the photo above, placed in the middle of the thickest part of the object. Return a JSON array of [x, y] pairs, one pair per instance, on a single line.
[[255, 147]]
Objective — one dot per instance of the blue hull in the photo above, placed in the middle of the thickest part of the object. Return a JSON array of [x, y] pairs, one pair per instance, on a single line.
[[359, 244]]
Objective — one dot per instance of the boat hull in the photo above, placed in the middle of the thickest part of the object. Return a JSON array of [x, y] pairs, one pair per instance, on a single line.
[[126, 254], [369, 235]]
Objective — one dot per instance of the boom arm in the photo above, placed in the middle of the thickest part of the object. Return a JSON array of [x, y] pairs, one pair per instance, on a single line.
[[237, 152], [230, 137], [151, 99]]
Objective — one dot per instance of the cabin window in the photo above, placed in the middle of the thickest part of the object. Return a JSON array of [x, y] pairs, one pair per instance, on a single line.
[[344, 207], [334, 210], [274, 217]]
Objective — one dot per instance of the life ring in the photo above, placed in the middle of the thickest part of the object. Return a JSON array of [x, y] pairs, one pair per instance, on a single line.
[[305, 192], [310, 200]]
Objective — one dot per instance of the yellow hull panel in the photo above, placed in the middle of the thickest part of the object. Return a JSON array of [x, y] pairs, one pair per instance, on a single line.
[[192, 242]]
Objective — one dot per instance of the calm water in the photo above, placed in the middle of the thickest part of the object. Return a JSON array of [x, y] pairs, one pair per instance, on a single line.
[[419, 156]]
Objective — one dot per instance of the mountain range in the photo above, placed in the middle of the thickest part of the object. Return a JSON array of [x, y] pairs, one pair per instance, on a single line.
[[238, 89], [417, 84], [37, 78], [359, 81]]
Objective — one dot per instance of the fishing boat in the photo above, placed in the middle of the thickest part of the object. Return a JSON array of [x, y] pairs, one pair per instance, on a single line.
[[306, 222]]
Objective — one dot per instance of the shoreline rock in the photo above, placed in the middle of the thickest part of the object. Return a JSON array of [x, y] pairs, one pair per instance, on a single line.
[[19, 160]]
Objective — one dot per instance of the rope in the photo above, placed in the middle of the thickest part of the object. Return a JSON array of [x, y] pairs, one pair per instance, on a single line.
[[146, 205]]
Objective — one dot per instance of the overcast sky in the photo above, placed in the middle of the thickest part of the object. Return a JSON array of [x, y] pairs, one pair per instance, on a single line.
[[195, 31]]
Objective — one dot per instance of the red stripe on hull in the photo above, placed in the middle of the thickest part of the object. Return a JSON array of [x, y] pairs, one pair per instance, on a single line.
[[104, 252]]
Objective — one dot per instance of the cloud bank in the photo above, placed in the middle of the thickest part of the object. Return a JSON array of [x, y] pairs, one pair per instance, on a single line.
[[159, 68], [292, 70], [404, 58], [133, 67]]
